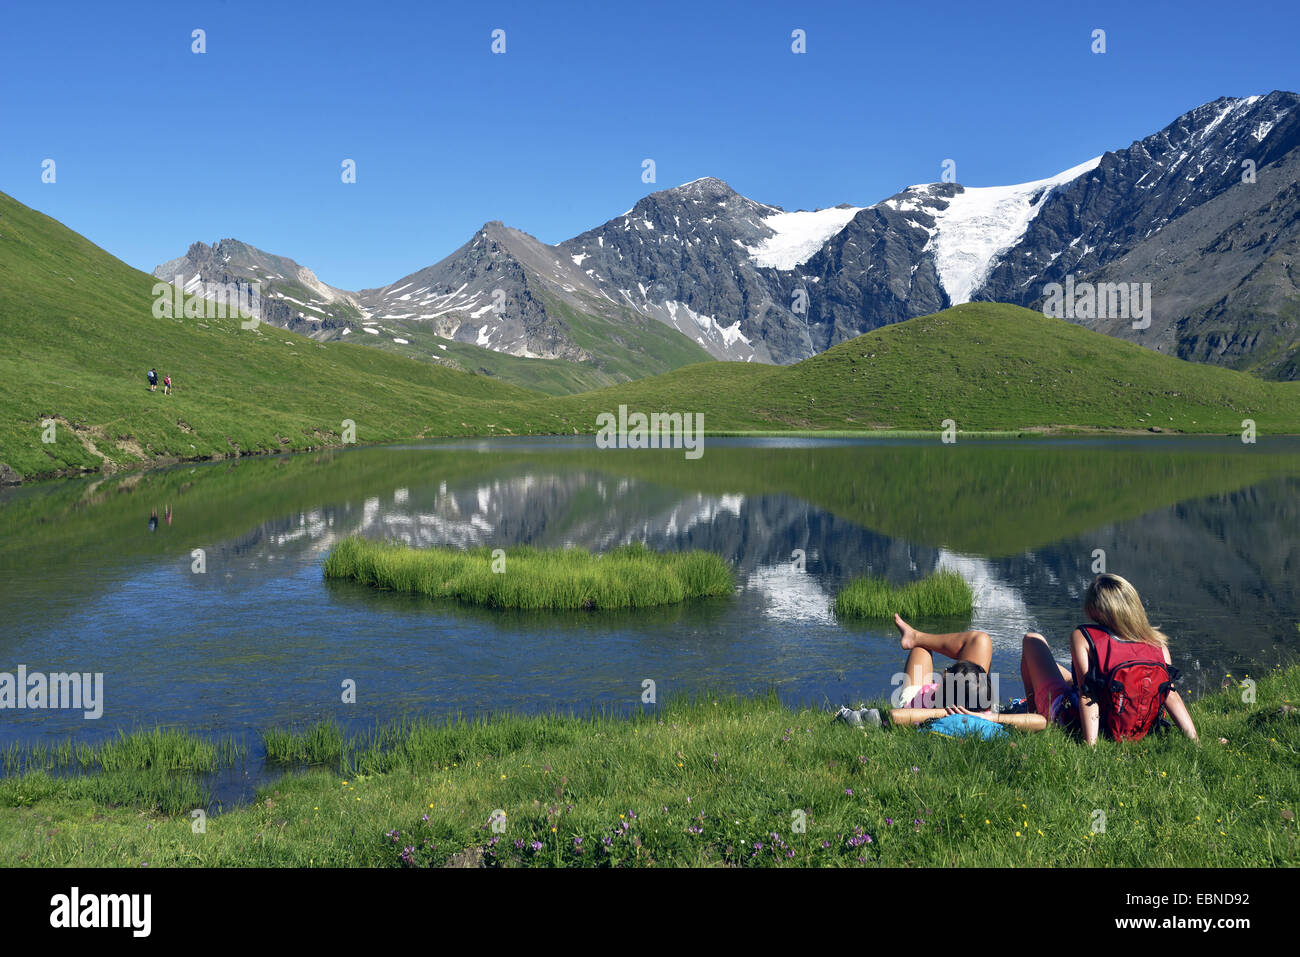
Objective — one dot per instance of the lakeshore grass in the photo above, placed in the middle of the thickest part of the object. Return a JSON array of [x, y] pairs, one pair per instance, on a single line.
[[713, 780], [157, 749], [943, 594], [632, 576]]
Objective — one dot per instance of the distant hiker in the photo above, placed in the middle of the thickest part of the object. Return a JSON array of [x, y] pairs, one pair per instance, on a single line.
[[1123, 677], [167, 385], [153, 380], [153, 519], [167, 514]]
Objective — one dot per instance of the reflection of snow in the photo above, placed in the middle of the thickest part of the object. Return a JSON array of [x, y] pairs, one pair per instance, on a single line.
[[999, 609], [791, 595], [704, 511]]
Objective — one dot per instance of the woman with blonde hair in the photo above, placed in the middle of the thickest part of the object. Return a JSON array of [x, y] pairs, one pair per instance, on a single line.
[[1123, 676]]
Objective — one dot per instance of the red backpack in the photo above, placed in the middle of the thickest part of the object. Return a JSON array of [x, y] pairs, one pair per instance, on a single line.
[[1129, 680]]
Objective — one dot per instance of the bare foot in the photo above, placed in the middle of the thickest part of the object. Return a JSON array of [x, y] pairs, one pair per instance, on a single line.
[[907, 631]]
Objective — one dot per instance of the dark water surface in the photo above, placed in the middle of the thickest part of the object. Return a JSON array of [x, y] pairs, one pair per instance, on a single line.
[[96, 575]]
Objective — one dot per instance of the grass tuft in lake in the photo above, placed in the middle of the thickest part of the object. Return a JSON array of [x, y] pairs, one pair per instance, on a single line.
[[943, 594], [532, 579], [321, 744], [159, 749]]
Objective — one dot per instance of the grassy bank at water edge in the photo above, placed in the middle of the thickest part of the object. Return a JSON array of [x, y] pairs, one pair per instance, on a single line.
[[712, 781]]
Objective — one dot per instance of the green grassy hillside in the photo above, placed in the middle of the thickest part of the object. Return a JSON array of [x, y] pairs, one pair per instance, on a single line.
[[986, 366], [78, 334]]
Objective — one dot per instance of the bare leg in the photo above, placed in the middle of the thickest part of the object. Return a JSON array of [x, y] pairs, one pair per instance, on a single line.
[[1037, 666], [973, 646], [919, 668]]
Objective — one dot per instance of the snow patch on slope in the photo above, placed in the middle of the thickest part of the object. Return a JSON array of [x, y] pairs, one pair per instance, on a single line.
[[798, 236], [983, 222]]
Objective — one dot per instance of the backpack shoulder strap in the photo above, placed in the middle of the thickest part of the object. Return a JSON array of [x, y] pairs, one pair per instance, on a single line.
[[1093, 677]]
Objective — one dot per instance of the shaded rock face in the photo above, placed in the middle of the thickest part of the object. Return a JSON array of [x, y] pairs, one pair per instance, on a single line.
[[1171, 210]]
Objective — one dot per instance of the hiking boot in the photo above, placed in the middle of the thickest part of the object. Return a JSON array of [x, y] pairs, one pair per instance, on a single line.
[[849, 716], [860, 717]]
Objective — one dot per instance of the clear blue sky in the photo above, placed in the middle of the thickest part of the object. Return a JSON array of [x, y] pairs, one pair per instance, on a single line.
[[156, 146]]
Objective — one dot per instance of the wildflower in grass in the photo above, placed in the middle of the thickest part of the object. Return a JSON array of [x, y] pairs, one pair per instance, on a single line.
[[915, 769], [536, 846], [849, 791], [890, 820], [520, 844]]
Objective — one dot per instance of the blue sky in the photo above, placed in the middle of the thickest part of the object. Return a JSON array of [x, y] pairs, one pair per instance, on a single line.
[[157, 146]]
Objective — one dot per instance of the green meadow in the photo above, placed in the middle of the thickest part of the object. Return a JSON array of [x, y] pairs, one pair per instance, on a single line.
[[632, 576], [943, 594], [711, 781]]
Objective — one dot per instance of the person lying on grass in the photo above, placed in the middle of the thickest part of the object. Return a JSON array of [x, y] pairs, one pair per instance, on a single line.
[[963, 688], [1121, 663]]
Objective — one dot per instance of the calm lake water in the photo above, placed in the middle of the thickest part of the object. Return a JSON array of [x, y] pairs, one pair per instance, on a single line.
[[96, 575]]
